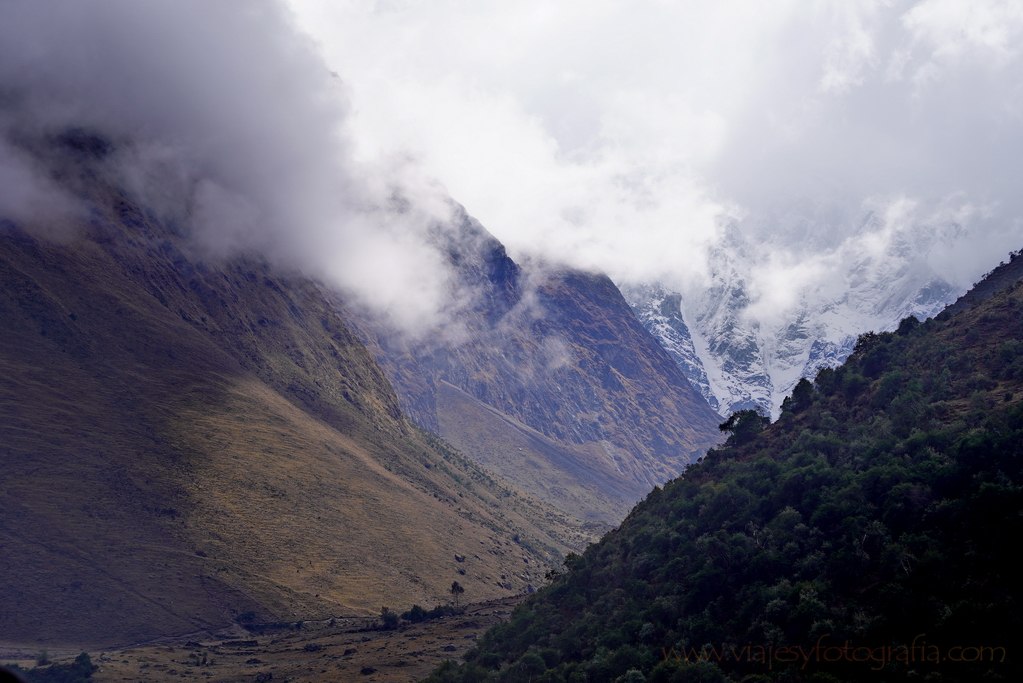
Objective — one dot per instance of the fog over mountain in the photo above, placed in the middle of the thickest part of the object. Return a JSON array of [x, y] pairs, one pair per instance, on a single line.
[[224, 116], [632, 137], [838, 142]]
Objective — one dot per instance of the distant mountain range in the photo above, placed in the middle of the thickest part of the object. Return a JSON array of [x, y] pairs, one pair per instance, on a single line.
[[738, 362]]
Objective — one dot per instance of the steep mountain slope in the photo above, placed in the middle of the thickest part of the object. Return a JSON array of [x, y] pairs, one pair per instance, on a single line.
[[188, 443], [558, 365], [660, 311], [1004, 275], [861, 537], [740, 361]]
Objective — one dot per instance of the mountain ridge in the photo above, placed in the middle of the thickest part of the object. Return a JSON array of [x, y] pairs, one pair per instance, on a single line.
[[189, 442], [869, 520], [741, 361], [561, 352]]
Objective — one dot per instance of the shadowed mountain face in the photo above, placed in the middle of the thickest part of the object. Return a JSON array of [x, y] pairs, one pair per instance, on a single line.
[[185, 443], [871, 522], [575, 400]]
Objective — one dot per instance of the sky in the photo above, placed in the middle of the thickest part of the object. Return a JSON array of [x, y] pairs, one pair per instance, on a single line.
[[633, 138], [627, 136]]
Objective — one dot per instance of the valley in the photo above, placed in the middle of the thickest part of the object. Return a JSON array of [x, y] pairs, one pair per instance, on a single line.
[[339, 649], [221, 445], [868, 519], [510, 342], [550, 367], [225, 444]]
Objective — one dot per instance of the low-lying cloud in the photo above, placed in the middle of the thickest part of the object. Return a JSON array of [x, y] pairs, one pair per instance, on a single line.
[[224, 118], [626, 137], [630, 138]]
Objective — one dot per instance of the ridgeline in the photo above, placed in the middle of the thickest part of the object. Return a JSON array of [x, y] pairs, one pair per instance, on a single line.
[[868, 534]]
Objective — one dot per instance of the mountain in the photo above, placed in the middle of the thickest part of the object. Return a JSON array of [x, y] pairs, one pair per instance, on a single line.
[[190, 443], [863, 536], [741, 361], [1000, 278], [550, 381], [660, 311]]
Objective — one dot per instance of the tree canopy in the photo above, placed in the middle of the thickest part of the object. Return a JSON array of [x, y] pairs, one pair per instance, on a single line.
[[868, 535]]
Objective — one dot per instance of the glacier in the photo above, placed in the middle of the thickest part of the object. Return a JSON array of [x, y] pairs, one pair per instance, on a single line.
[[739, 358]]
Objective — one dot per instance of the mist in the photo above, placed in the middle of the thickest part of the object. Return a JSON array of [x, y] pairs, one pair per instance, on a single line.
[[225, 119], [631, 138]]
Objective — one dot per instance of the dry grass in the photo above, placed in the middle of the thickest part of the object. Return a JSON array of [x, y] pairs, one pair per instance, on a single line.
[[311, 522], [319, 651], [185, 442]]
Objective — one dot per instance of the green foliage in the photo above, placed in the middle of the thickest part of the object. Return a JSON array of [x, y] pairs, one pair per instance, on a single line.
[[907, 326], [388, 618], [801, 398], [884, 508], [742, 426], [826, 381], [417, 614]]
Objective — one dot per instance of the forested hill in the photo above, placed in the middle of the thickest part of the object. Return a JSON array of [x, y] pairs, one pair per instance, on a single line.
[[868, 534], [1005, 274]]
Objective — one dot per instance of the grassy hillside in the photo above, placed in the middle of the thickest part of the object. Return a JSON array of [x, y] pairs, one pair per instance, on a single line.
[[868, 535], [187, 443]]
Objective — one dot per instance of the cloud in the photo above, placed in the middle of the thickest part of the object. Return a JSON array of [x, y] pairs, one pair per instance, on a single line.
[[949, 32], [29, 196], [629, 138], [226, 119], [625, 137]]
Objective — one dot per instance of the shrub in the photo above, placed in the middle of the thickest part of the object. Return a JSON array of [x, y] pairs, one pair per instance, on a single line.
[[388, 618]]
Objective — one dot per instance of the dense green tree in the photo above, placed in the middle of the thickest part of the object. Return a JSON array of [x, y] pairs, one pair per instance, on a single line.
[[873, 526], [388, 618], [742, 426]]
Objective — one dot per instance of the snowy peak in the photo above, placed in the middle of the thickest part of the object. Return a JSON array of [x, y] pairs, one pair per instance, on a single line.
[[661, 314], [767, 318]]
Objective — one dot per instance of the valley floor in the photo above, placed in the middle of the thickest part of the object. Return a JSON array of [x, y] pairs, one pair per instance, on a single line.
[[347, 650]]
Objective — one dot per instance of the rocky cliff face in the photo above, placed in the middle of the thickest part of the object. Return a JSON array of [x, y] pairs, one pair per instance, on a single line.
[[558, 354], [739, 361]]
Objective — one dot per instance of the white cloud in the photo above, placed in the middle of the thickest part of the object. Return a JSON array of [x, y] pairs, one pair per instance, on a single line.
[[226, 118], [852, 52], [952, 30], [621, 136], [605, 135], [26, 195]]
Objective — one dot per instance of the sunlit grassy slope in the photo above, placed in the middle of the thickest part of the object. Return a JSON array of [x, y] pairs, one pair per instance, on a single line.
[[184, 441]]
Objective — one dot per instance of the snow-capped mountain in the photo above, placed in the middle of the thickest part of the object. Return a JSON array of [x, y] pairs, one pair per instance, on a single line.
[[660, 312], [741, 353]]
